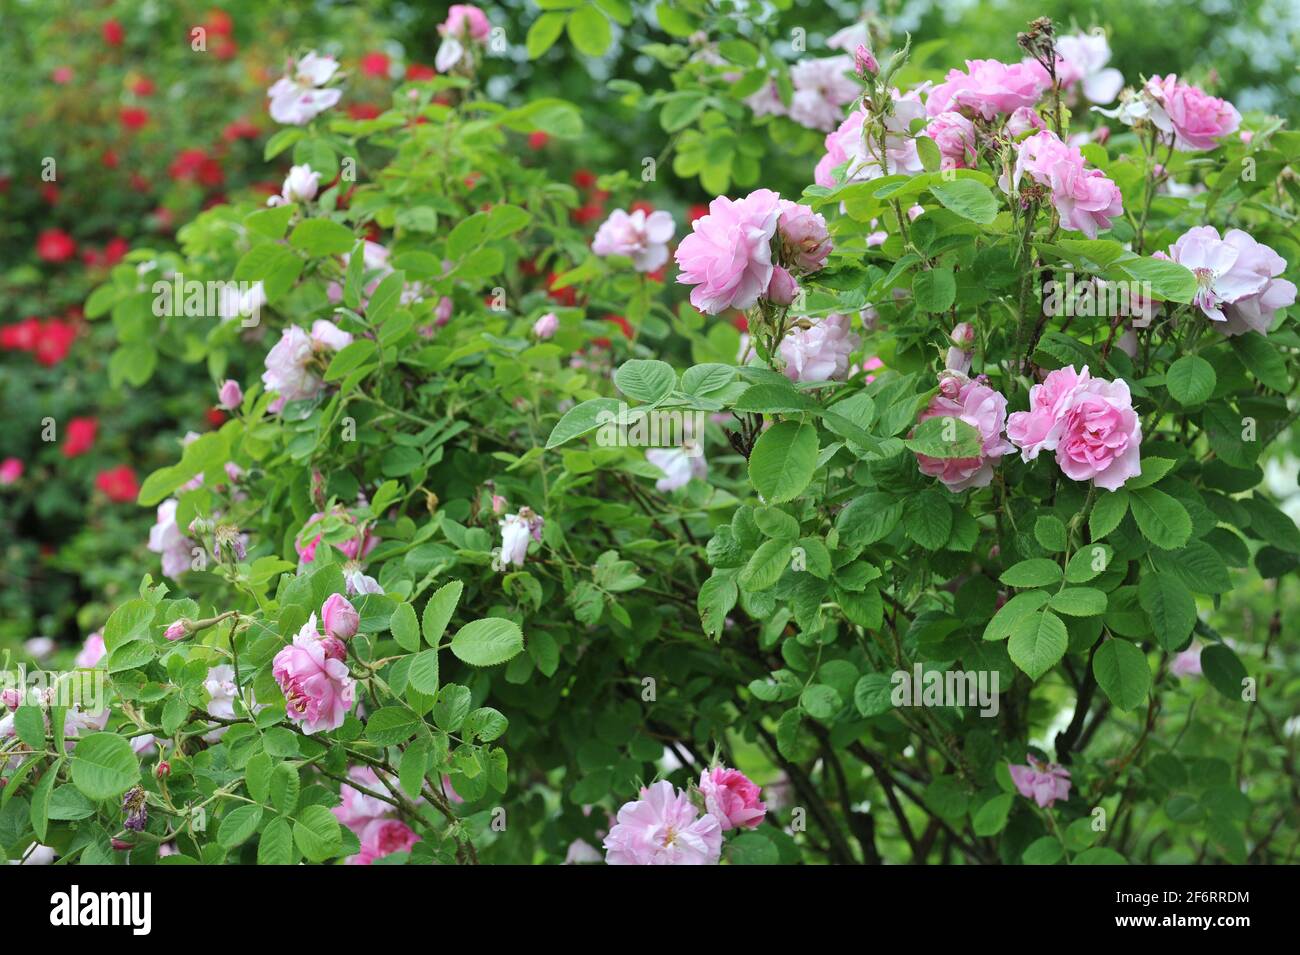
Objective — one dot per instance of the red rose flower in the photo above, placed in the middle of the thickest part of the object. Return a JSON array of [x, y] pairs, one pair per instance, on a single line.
[[363, 110], [375, 64], [696, 211], [538, 140], [81, 436], [143, 87], [622, 323], [113, 33], [21, 336], [108, 159], [133, 117], [565, 296], [62, 75], [115, 250], [216, 417], [218, 21], [119, 484], [54, 341], [50, 193], [418, 71], [55, 245], [584, 178], [239, 129], [641, 206]]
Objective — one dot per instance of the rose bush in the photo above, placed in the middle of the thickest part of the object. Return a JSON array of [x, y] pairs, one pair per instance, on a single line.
[[981, 403]]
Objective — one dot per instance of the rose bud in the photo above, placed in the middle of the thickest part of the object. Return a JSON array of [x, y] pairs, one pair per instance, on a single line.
[[177, 630], [340, 618]]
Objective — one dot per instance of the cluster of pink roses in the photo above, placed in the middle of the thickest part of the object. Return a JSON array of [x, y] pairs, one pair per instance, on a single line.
[[312, 672], [377, 828], [665, 826], [729, 259], [1084, 198], [1089, 422]]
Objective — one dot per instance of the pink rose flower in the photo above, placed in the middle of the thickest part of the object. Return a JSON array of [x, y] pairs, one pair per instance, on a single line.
[[1238, 281], [663, 827], [678, 466], [988, 88], [804, 240], [466, 21], [978, 405], [822, 88], [325, 334], [92, 651], [287, 372], [359, 810], [1081, 61], [339, 618], [230, 396], [166, 538], [954, 134], [1195, 118], [642, 238], [301, 185], [11, 469], [383, 837], [819, 353], [1042, 782], [728, 255], [1090, 424], [731, 798], [546, 326], [845, 145], [176, 630], [1187, 663], [1024, 120], [318, 691], [298, 98], [783, 289], [864, 61], [1084, 198]]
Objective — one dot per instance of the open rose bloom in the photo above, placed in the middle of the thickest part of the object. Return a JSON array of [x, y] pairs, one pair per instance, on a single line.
[[973, 402], [318, 691], [642, 238], [728, 255], [1239, 283], [1044, 783], [663, 827]]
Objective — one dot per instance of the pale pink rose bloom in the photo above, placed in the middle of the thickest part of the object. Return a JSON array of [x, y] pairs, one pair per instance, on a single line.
[[782, 289], [581, 852], [954, 134], [466, 21], [849, 37], [1044, 783], [516, 531], [297, 99], [11, 469], [383, 837], [728, 255], [1195, 117], [1101, 439], [766, 101], [978, 405], [643, 239], [989, 87], [822, 88], [92, 651], [339, 618], [1238, 279], [804, 237], [230, 396], [1084, 198], [1081, 60], [731, 798], [819, 353], [960, 351], [318, 691], [300, 185], [1024, 120], [663, 827], [222, 691], [166, 538], [359, 584], [326, 334], [287, 374], [1187, 663], [845, 144], [546, 326], [1039, 428], [357, 809], [678, 465]]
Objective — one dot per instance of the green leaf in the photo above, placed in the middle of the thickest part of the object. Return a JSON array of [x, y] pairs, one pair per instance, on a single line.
[[967, 198], [238, 825], [452, 707], [1122, 673], [1170, 606], [1107, 512], [392, 725], [1079, 602], [319, 237], [1046, 850], [872, 694], [1038, 641], [934, 290], [1190, 380], [783, 461], [991, 818], [406, 629], [1224, 670], [1015, 610], [487, 642], [104, 766], [275, 845], [423, 673], [1262, 360], [545, 30], [1161, 519], [590, 31], [317, 835], [582, 418], [40, 808], [765, 565], [438, 611], [928, 519], [752, 848], [717, 596], [645, 380], [1049, 531], [945, 437], [1099, 855], [820, 701], [1034, 572], [349, 358]]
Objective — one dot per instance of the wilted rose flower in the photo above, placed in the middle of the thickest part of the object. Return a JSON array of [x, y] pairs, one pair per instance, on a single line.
[[135, 809], [297, 99], [642, 238], [516, 531], [821, 352], [663, 827], [318, 691], [1042, 782], [731, 798], [988, 88], [728, 255], [971, 401]]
